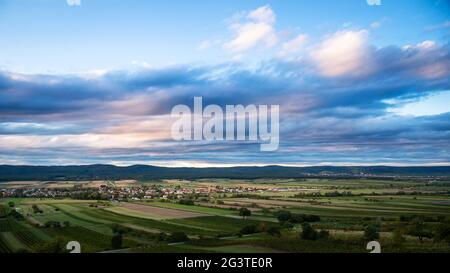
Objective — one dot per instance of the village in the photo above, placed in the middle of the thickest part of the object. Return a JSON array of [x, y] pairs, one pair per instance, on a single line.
[[140, 192]]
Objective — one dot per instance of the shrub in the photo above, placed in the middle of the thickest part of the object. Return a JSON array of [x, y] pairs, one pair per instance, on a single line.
[[274, 231], [249, 229], [442, 233], [178, 236], [287, 225], [161, 237], [324, 234], [16, 215], [244, 212], [52, 224], [283, 215], [371, 233], [116, 241], [418, 229], [186, 202], [308, 232]]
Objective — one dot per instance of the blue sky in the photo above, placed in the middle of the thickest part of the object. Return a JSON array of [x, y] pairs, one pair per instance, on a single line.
[[94, 82], [48, 36]]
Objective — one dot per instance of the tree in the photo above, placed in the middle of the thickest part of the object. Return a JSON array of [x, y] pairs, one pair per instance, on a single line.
[[262, 227], [418, 229], [308, 232], [371, 233], [283, 215], [244, 212], [116, 241], [249, 229], [274, 231], [287, 225], [11, 204], [16, 215], [442, 233], [161, 237], [323, 234]]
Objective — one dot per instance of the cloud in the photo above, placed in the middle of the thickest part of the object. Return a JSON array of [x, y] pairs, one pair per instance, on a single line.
[[256, 29], [444, 25], [375, 24], [345, 53], [379, 23], [293, 46], [263, 15], [424, 60], [73, 2], [327, 110], [207, 44]]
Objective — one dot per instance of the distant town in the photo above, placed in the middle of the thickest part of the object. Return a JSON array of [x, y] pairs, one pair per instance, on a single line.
[[140, 192]]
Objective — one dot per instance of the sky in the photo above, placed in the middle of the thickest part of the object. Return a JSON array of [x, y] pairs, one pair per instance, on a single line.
[[94, 81]]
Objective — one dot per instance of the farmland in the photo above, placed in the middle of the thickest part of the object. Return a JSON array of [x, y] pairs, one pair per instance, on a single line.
[[227, 215]]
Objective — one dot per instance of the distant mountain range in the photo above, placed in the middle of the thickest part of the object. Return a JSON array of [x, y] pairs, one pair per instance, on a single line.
[[145, 172]]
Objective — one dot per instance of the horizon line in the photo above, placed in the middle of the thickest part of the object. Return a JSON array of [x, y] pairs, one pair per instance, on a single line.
[[443, 164]]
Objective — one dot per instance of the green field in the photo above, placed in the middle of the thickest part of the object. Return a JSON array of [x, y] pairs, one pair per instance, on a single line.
[[207, 210]]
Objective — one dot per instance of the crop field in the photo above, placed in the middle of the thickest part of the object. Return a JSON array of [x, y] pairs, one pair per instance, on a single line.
[[5, 225], [212, 222], [3, 212], [90, 241], [205, 210], [66, 184], [218, 223], [152, 212]]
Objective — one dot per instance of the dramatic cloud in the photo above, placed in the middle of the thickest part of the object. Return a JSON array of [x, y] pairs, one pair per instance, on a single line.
[[122, 116], [256, 29], [344, 53]]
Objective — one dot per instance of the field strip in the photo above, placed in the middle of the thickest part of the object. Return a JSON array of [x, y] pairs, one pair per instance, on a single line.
[[12, 241], [347, 207], [86, 219], [394, 209], [152, 212], [192, 208], [137, 227], [133, 213], [216, 206], [192, 226], [55, 201]]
